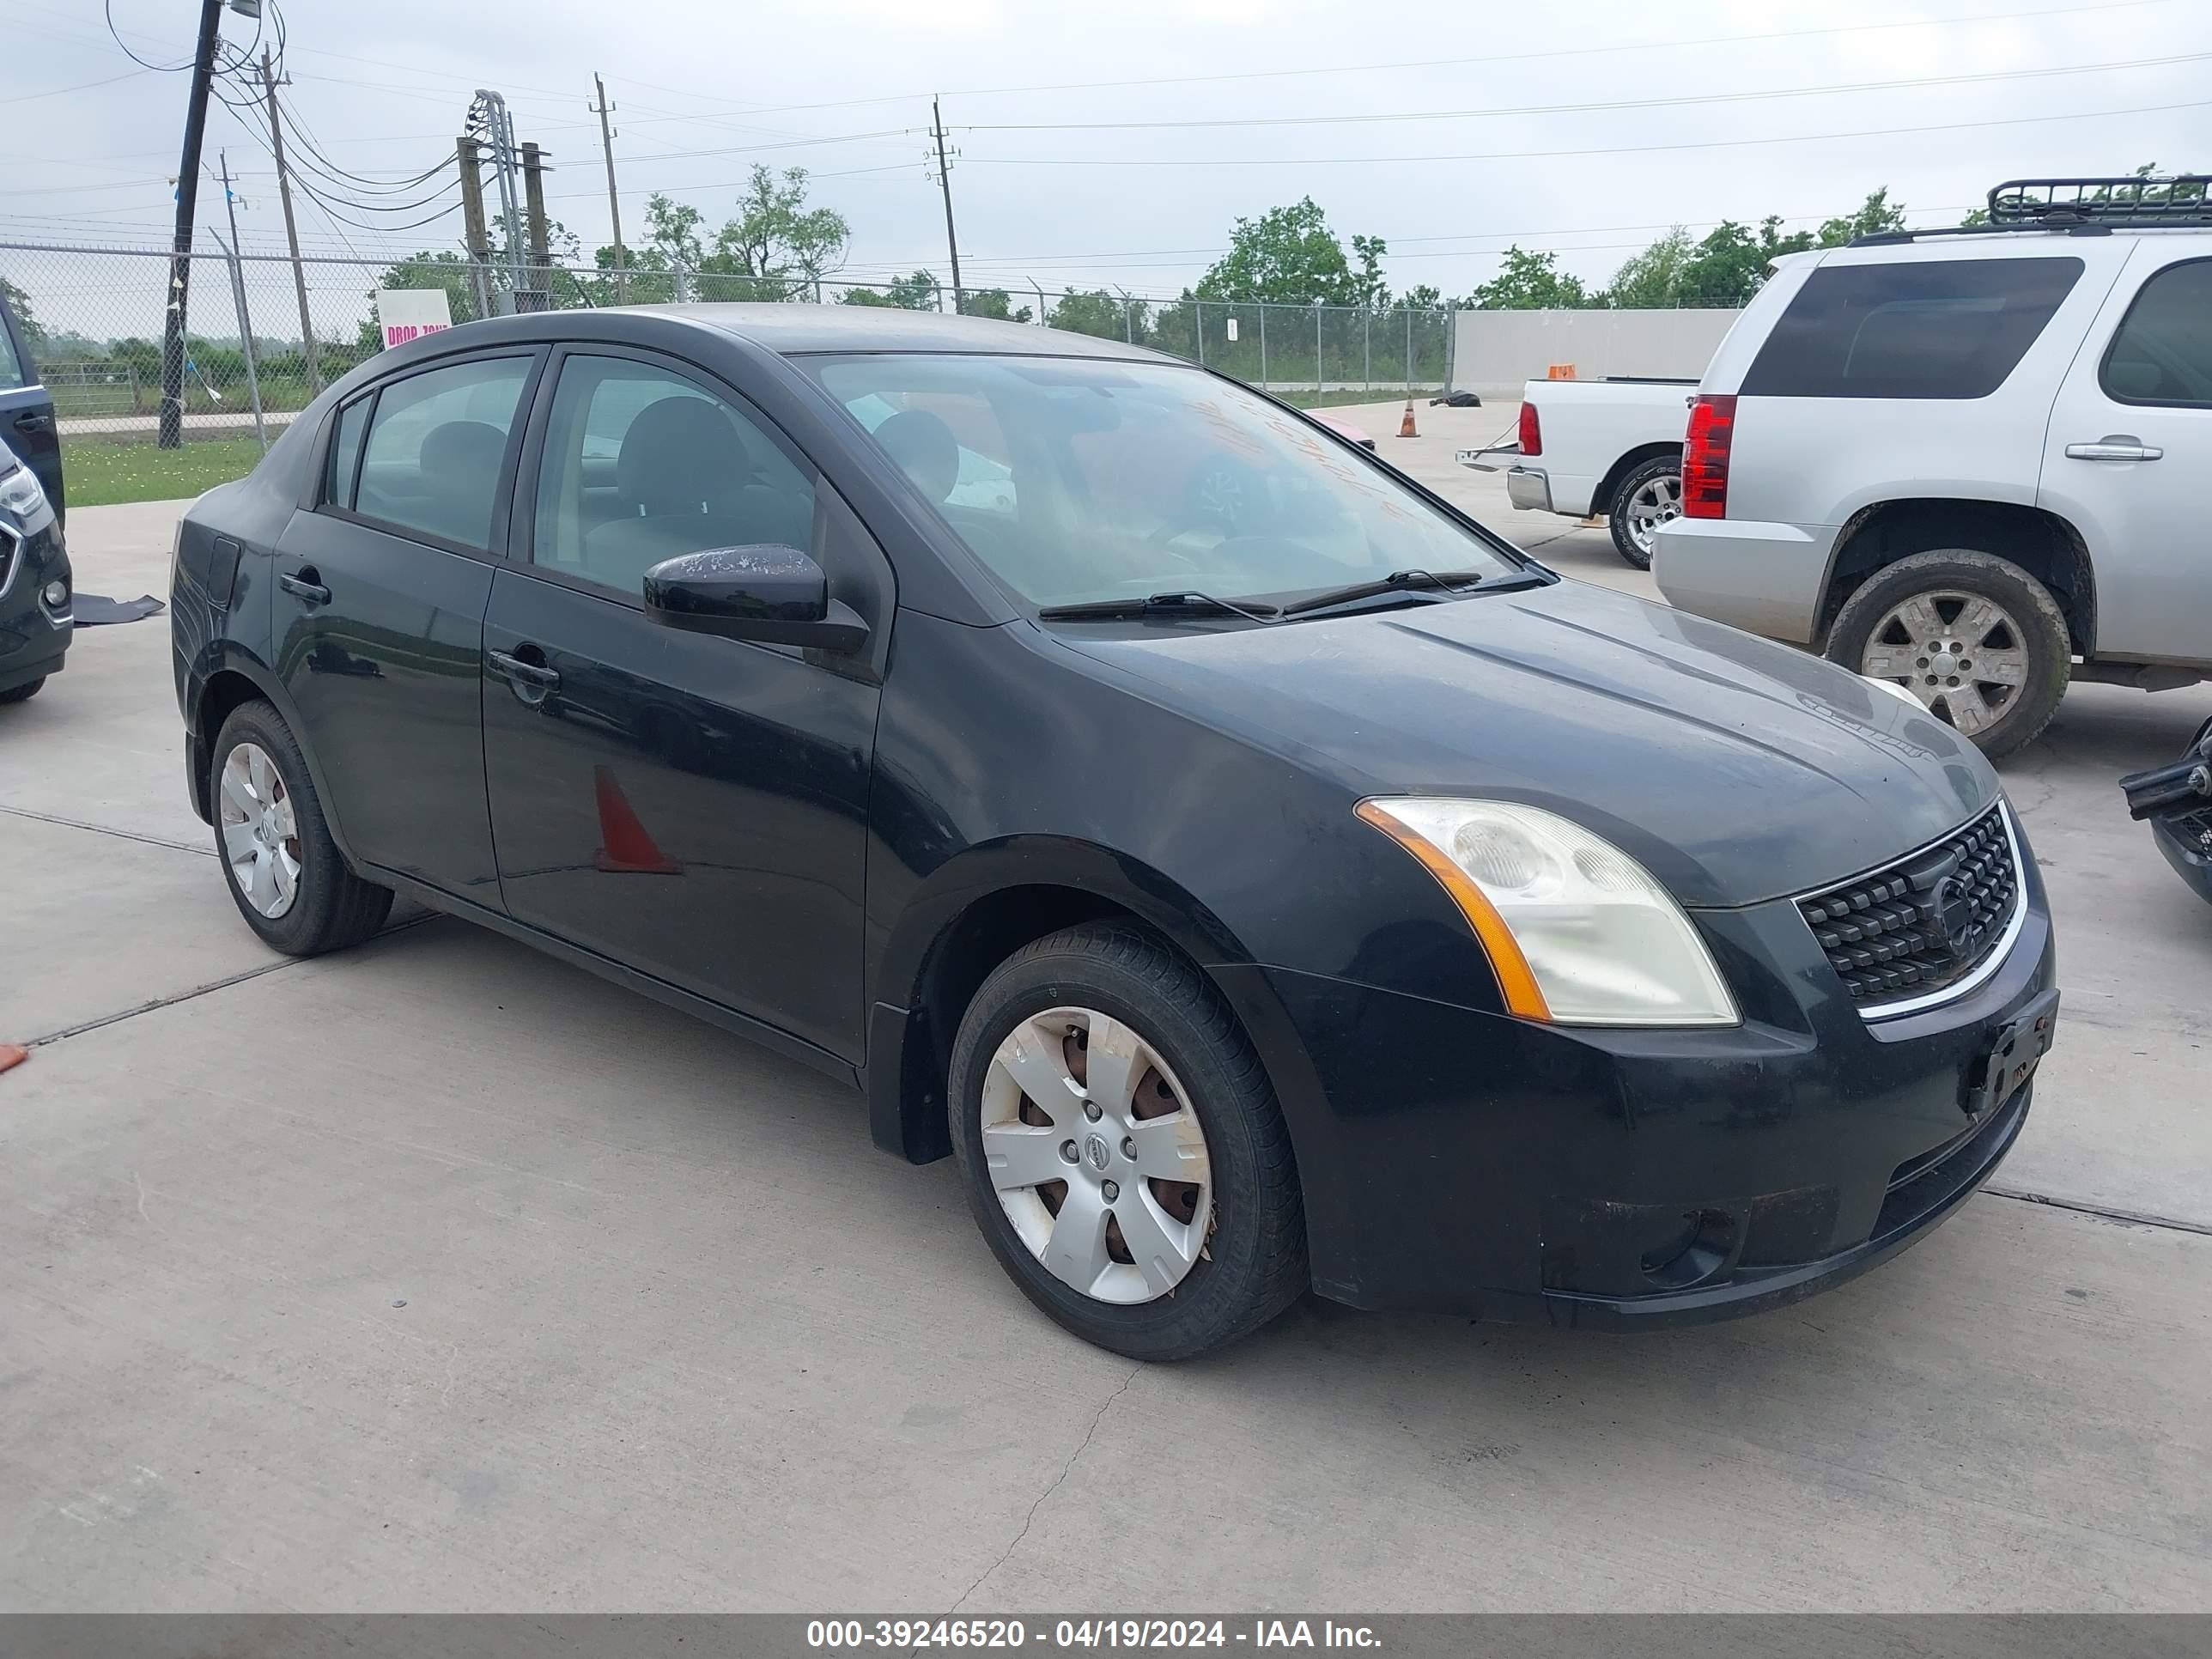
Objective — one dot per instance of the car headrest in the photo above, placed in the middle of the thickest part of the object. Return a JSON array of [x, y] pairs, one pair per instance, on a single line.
[[682, 455], [456, 451], [925, 449]]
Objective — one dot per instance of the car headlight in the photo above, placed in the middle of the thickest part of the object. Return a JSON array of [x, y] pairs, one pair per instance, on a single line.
[[1577, 932], [21, 495]]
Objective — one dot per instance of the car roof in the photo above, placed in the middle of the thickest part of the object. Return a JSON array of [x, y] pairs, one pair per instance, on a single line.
[[789, 330]]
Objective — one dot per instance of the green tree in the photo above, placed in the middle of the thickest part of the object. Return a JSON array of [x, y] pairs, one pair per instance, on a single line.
[[1288, 256], [19, 303], [1368, 288], [1423, 296], [917, 292], [1654, 279], [1727, 268], [1101, 315], [994, 302], [1877, 215], [1531, 281], [777, 239]]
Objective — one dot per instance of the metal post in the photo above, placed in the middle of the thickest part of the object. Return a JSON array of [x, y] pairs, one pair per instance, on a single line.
[[1409, 351], [1198, 309], [1039, 287], [1366, 349], [1263, 345], [238, 300], [1128, 316], [1320, 389], [291, 227]]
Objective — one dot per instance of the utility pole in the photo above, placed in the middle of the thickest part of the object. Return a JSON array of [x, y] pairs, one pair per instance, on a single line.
[[945, 180], [473, 223], [238, 301], [540, 288], [291, 226], [172, 423], [602, 109]]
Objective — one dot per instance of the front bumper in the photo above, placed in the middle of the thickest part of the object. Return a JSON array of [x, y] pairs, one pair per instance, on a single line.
[[34, 637], [1765, 578], [1456, 1159], [2187, 841]]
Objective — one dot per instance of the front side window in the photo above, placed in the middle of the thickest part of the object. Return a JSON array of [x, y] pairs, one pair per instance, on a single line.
[[1936, 329], [436, 446], [1077, 479], [2162, 353], [642, 464]]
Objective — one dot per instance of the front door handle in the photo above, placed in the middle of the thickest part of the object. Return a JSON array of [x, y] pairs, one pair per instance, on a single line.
[[2115, 446], [305, 586], [534, 675], [34, 420]]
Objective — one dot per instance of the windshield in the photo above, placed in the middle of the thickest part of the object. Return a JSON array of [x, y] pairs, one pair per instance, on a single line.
[[1078, 480]]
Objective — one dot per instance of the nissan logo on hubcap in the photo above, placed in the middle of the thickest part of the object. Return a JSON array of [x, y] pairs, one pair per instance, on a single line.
[[1094, 1149]]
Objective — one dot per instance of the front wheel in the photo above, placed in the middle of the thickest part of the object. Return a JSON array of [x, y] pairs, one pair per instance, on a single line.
[[1651, 495], [1973, 636], [1122, 1147], [24, 692], [284, 871]]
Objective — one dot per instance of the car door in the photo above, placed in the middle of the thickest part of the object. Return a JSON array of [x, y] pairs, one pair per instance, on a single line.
[[2128, 451], [690, 806], [26, 410], [377, 613]]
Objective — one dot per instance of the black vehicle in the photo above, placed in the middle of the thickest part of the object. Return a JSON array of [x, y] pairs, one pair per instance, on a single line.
[[36, 621], [26, 410], [2176, 799], [1325, 895]]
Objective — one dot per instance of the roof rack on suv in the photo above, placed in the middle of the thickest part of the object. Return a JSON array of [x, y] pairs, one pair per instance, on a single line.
[[2084, 207]]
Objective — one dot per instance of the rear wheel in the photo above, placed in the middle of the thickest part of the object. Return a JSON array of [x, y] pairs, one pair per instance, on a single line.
[[24, 692], [1647, 497], [284, 872], [1974, 637], [1123, 1152]]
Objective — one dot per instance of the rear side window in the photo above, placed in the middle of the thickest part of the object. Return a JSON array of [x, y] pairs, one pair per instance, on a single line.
[[436, 446], [344, 465], [2162, 353], [1951, 328]]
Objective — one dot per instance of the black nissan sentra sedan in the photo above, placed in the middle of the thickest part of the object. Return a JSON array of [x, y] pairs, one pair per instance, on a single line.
[[1258, 875]]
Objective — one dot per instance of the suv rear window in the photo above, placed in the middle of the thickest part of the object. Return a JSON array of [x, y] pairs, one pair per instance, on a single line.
[[1951, 328]]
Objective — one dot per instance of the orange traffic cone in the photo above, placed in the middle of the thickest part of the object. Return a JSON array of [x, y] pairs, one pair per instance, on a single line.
[[12, 1053], [1406, 426], [625, 848]]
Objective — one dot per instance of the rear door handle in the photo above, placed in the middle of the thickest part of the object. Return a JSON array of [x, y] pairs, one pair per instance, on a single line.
[[313, 592], [33, 420], [2115, 446], [525, 673]]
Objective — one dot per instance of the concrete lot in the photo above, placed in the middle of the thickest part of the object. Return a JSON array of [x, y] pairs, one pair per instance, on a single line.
[[439, 1275]]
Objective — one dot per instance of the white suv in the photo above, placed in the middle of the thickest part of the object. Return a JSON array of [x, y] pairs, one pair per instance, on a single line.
[[1960, 461]]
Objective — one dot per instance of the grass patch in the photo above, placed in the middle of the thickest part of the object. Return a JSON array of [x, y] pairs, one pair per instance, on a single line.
[[104, 474]]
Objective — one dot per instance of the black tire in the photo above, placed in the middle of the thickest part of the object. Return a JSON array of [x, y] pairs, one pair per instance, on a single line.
[[24, 692], [332, 907], [1616, 508], [2022, 712], [1254, 1265]]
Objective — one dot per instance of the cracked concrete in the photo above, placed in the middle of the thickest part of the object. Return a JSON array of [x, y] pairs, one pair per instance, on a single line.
[[438, 1275]]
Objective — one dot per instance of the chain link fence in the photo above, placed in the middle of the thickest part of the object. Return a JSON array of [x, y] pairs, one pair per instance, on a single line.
[[266, 334]]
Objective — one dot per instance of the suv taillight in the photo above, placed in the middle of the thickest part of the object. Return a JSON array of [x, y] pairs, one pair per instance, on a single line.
[[1532, 431], [1705, 456]]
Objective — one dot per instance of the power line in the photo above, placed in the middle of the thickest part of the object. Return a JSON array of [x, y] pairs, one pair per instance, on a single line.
[[1547, 154], [1607, 104], [82, 86]]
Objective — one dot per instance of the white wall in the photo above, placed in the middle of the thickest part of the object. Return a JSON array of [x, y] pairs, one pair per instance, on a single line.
[[1494, 351]]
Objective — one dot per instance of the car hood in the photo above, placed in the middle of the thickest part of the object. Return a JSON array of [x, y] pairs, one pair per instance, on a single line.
[[1735, 769]]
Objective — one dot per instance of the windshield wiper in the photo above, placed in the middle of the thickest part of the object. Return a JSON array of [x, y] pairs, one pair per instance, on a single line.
[[1156, 605], [1398, 582]]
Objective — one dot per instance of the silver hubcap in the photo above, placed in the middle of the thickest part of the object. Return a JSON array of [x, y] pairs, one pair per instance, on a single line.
[[1091, 1143], [260, 837], [1959, 653], [1652, 506]]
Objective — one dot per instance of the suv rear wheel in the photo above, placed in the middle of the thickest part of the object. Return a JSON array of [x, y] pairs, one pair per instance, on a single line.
[[1122, 1147], [1973, 636]]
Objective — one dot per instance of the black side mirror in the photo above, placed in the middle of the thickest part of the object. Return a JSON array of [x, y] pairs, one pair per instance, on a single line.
[[776, 594]]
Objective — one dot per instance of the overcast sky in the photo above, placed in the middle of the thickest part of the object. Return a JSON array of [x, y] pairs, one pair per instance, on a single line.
[[1605, 119]]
